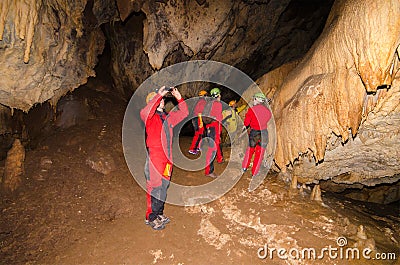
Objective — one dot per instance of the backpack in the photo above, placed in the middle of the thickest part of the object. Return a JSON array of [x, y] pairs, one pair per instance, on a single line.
[[205, 115]]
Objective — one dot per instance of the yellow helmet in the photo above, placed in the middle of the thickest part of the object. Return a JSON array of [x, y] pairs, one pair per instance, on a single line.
[[150, 96], [231, 103], [202, 93]]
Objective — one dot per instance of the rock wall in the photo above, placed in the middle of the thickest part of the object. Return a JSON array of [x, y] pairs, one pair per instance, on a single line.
[[372, 156], [338, 101], [129, 63], [337, 111], [50, 47], [230, 31], [46, 50]]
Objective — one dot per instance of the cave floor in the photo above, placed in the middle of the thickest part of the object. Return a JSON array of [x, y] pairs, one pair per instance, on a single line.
[[65, 212]]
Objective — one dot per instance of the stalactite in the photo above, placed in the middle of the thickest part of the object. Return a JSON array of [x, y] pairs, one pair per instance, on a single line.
[[326, 92], [4, 8], [33, 15], [23, 15]]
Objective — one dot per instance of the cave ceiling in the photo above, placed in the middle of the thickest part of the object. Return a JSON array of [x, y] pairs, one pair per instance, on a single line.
[[55, 45]]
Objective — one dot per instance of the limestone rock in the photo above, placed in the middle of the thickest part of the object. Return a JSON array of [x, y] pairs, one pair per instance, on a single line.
[[228, 31], [328, 122], [14, 166], [335, 109], [293, 184], [372, 156], [52, 46], [71, 111], [316, 193], [315, 100], [45, 52]]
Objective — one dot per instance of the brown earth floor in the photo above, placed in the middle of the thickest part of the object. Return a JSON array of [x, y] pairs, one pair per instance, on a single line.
[[65, 212]]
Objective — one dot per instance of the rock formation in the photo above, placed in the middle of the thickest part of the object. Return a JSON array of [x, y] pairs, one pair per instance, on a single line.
[[336, 109], [46, 50], [14, 167], [337, 112], [54, 45]]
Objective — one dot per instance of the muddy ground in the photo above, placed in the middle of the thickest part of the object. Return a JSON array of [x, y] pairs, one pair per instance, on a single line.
[[79, 204]]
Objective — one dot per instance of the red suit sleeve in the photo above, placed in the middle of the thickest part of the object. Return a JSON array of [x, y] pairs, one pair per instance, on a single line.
[[176, 116], [249, 116]]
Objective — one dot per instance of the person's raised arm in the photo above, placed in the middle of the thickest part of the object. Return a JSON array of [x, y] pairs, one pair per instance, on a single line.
[[182, 112]]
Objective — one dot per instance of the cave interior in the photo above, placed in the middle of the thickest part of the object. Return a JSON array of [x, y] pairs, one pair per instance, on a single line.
[[83, 61]]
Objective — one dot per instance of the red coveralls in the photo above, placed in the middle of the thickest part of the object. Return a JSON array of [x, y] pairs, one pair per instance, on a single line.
[[199, 131], [257, 118], [213, 131], [158, 168]]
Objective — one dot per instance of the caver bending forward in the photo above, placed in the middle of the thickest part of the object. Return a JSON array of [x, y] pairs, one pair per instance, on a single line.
[[158, 168]]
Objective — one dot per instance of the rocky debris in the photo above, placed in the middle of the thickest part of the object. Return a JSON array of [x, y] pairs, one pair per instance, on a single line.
[[116, 207], [252, 227], [158, 255], [212, 235], [46, 163], [103, 164], [14, 167], [363, 241]]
